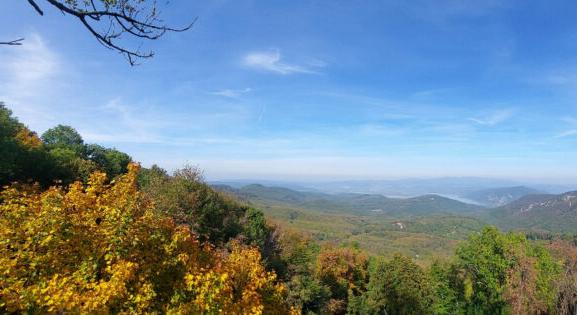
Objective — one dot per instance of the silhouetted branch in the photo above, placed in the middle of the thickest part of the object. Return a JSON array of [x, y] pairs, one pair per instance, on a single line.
[[36, 7], [16, 42], [130, 17]]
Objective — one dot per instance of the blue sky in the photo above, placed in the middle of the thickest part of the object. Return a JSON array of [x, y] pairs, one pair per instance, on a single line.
[[316, 89]]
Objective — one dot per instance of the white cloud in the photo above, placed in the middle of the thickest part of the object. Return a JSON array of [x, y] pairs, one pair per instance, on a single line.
[[143, 122], [271, 61], [232, 93], [34, 62], [122, 123], [25, 68], [29, 78], [494, 118]]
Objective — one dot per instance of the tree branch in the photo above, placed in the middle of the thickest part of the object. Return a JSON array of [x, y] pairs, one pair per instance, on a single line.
[[16, 42], [124, 17], [36, 7], [130, 17]]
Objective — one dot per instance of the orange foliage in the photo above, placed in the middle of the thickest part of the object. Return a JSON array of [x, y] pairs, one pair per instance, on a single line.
[[344, 271], [28, 138]]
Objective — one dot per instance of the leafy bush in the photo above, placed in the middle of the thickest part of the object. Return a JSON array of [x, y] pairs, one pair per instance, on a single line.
[[106, 248]]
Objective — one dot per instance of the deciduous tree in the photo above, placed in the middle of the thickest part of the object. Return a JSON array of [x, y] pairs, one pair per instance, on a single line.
[[104, 248]]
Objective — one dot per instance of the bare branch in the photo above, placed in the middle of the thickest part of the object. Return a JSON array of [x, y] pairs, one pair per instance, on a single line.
[[106, 41], [16, 42], [133, 18], [36, 7]]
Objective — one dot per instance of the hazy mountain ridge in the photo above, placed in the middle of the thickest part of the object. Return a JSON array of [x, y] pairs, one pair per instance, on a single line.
[[497, 197], [412, 187], [540, 212], [353, 203], [458, 188]]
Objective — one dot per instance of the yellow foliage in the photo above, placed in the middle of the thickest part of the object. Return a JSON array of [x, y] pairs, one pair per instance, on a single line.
[[104, 248], [28, 138], [239, 284]]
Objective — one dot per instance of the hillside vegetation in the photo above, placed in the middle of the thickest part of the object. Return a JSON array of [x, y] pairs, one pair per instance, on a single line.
[[352, 203], [359, 220], [145, 241], [551, 213]]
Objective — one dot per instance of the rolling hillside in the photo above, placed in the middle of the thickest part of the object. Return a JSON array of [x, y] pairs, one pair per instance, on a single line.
[[426, 226], [352, 203], [553, 213], [422, 227]]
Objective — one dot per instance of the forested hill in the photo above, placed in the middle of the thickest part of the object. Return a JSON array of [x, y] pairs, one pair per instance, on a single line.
[[353, 203], [553, 213], [497, 197]]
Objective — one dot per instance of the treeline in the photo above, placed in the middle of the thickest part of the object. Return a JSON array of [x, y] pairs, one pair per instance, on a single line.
[[60, 154], [153, 242]]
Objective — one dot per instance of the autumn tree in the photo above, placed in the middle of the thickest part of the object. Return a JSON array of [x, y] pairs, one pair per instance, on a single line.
[[344, 272], [215, 217], [22, 155], [566, 252], [505, 273], [59, 155], [104, 248]]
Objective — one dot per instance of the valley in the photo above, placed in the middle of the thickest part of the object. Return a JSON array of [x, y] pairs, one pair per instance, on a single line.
[[426, 227]]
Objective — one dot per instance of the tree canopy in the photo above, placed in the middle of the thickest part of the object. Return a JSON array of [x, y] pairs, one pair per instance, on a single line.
[[60, 154]]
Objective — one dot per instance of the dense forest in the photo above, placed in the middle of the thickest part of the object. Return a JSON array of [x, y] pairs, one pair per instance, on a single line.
[[84, 229]]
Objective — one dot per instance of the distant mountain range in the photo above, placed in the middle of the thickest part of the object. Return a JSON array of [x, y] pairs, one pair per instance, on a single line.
[[516, 207], [497, 197], [452, 187], [352, 203]]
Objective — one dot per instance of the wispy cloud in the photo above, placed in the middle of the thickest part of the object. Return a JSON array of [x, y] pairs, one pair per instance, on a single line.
[[33, 62], [29, 78], [567, 133], [570, 129], [494, 118], [122, 124], [231, 93], [143, 122], [261, 114], [271, 61], [570, 120]]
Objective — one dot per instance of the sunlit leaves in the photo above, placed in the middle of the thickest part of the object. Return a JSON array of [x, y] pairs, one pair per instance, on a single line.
[[105, 248]]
